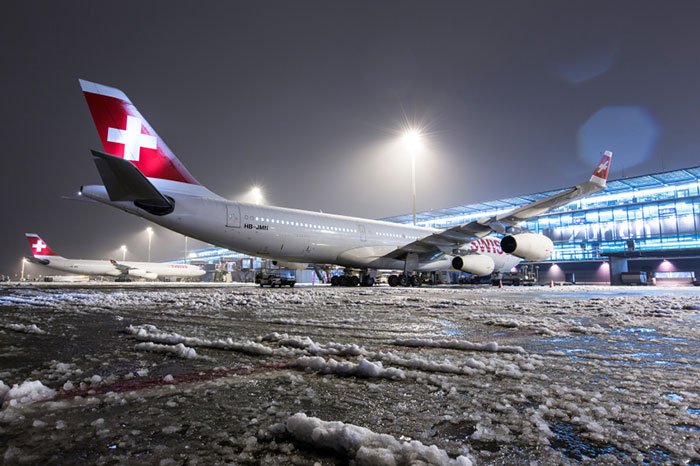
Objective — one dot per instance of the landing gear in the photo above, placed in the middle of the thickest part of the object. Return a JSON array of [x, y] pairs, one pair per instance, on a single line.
[[345, 280], [404, 280], [348, 279]]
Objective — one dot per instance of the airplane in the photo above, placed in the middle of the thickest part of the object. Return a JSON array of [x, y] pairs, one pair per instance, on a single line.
[[42, 254], [143, 177]]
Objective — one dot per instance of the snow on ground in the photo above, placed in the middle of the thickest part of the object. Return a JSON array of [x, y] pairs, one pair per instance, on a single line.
[[592, 375], [367, 448], [22, 328]]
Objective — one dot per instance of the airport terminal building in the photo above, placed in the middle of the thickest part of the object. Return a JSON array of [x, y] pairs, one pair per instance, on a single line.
[[646, 223]]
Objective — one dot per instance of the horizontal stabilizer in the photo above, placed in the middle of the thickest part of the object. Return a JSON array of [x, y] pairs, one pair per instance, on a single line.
[[34, 260], [124, 182]]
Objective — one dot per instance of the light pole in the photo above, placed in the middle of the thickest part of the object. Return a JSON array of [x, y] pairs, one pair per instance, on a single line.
[[185, 261], [123, 252], [21, 275], [412, 139], [149, 230]]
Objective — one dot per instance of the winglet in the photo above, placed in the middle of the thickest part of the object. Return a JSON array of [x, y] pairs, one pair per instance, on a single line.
[[600, 175]]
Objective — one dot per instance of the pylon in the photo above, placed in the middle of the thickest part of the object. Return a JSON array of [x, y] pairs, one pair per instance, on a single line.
[[551, 283]]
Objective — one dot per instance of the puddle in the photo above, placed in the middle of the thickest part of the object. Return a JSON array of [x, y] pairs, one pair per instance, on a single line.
[[570, 443]]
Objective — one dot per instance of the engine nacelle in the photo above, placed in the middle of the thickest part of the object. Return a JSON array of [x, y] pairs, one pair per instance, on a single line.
[[530, 246], [475, 264], [290, 265]]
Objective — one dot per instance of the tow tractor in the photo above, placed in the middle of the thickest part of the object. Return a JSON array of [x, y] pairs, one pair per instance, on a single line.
[[274, 280], [525, 276]]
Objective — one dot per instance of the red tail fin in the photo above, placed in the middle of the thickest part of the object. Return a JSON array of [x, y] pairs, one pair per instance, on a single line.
[[126, 134], [38, 246], [600, 175]]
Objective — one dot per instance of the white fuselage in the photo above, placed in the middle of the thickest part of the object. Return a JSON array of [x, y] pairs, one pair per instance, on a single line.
[[289, 234], [136, 269]]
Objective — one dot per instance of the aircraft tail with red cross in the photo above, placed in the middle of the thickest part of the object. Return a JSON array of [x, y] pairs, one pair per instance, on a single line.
[[136, 165], [40, 249], [125, 133]]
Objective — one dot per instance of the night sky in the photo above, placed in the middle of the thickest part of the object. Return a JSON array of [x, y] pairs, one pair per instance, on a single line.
[[308, 100]]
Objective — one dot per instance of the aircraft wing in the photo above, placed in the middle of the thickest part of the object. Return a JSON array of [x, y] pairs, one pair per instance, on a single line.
[[449, 241], [121, 267]]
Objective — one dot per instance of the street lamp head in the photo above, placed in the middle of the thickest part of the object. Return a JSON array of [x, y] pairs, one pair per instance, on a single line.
[[123, 247], [412, 138], [149, 230], [257, 195]]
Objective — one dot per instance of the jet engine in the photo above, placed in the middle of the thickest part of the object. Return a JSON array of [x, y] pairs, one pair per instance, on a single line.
[[530, 246], [290, 265], [475, 264]]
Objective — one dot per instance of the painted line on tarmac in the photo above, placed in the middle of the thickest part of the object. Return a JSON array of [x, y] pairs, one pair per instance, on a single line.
[[147, 383]]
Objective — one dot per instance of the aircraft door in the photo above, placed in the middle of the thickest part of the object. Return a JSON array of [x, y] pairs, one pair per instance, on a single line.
[[363, 233], [233, 215]]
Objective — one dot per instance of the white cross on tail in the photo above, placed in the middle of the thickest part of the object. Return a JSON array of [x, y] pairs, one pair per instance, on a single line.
[[39, 246], [132, 138]]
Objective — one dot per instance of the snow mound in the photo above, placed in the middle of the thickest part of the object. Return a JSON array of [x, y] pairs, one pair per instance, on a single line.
[[364, 368], [151, 333], [491, 347], [367, 447], [179, 350], [26, 393], [25, 328]]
